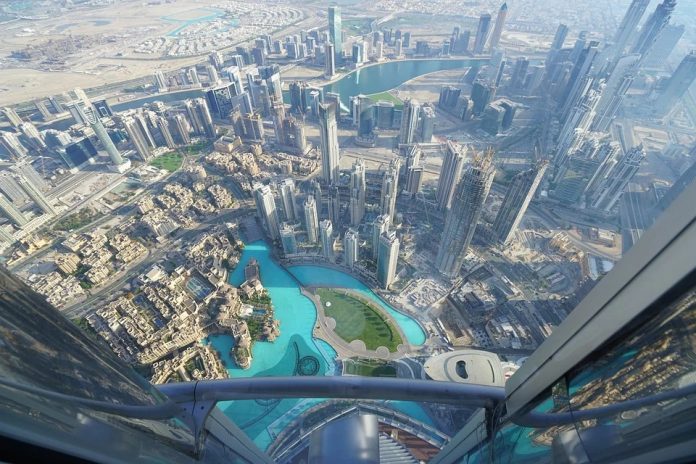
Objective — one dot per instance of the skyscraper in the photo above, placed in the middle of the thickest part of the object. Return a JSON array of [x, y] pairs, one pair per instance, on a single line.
[[427, 124], [335, 205], [88, 114], [329, 142], [379, 226], [36, 195], [615, 89], [335, 33], [519, 193], [311, 219], [11, 143], [330, 61], [326, 235], [12, 116], [450, 173], [11, 212], [136, 137], [499, 25], [266, 209], [628, 25], [390, 189], [287, 239], [678, 84], [287, 198], [351, 251], [653, 26], [387, 258], [357, 192], [409, 121], [163, 126], [484, 27], [613, 185], [463, 216], [182, 129], [559, 37]]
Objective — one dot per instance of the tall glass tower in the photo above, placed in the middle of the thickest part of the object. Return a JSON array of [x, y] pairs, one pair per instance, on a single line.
[[517, 198], [335, 33], [329, 142], [653, 26], [628, 24], [462, 217]]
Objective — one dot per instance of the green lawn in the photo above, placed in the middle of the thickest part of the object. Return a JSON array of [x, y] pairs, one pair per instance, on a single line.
[[171, 161], [386, 96], [77, 220], [358, 320], [369, 368]]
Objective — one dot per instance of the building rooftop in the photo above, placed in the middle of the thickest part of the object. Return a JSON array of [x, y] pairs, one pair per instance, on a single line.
[[466, 366]]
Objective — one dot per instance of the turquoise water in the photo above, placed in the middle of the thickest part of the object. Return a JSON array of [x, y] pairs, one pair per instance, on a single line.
[[295, 351], [325, 277], [184, 23], [389, 75]]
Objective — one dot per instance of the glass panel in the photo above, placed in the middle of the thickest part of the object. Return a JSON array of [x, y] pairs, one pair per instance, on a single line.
[[657, 357]]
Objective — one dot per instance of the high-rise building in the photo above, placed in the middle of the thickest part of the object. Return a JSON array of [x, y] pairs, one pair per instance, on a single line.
[[288, 200], [357, 192], [481, 94], [335, 33], [519, 73], [328, 132], [41, 106], [182, 129], [12, 116], [330, 61], [665, 44], [287, 239], [278, 113], [379, 226], [559, 37], [578, 121], [677, 85], [484, 27], [613, 185], [136, 137], [35, 193], [462, 217], [10, 142], [390, 189], [163, 126], [311, 219], [266, 209], [202, 112], [615, 89], [427, 124], [450, 173], [327, 240], [32, 134], [517, 198], [11, 212], [90, 117], [334, 205], [351, 250], [387, 258], [653, 27], [409, 121], [498, 29], [161, 81], [628, 25]]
